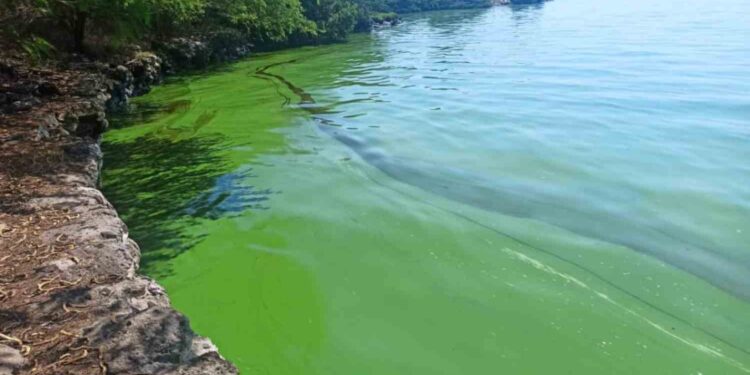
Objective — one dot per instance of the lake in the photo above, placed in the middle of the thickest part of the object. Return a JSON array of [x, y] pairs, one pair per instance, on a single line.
[[559, 187]]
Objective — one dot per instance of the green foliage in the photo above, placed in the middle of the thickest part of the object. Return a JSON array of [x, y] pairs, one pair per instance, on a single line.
[[37, 49], [334, 19], [382, 17], [406, 6], [78, 24], [262, 21], [108, 20]]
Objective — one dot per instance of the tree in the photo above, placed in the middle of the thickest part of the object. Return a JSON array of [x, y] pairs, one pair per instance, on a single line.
[[262, 21], [334, 19], [111, 24], [113, 18]]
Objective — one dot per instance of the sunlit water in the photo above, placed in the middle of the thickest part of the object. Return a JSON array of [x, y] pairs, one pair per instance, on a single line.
[[552, 188]]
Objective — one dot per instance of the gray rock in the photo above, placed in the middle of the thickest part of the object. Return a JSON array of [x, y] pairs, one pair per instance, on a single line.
[[20, 106], [41, 133], [47, 89], [146, 336], [11, 360], [128, 316]]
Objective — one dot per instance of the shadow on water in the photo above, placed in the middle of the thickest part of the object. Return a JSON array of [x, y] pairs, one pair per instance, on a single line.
[[526, 12], [202, 186], [450, 22], [520, 5]]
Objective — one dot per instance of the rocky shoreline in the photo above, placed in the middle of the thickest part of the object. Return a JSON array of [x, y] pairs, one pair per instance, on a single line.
[[72, 301]]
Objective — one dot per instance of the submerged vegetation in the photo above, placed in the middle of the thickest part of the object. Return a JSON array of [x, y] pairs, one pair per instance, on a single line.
[[106, 26]]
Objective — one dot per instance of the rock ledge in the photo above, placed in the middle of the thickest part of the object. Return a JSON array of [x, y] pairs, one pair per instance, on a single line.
[[72, 301]]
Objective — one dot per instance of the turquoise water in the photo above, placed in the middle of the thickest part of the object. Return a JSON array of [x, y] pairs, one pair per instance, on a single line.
[[559, 187], [627, 122]]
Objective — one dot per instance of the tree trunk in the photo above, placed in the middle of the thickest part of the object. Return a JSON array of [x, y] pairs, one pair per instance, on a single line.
[[79, 30]]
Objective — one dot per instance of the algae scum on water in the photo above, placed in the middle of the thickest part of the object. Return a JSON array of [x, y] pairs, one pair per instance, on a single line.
[[556, 188]]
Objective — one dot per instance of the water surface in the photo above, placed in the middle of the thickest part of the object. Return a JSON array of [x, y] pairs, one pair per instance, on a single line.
[[551, 188]]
